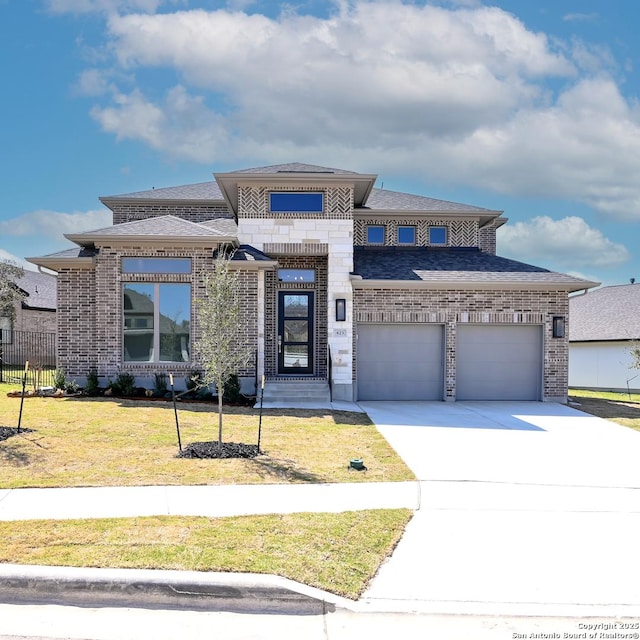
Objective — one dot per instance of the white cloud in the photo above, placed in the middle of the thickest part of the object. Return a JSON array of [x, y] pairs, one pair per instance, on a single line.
[[569, 242], [182, 124], [43, 223], [459, 95], [581, 17]]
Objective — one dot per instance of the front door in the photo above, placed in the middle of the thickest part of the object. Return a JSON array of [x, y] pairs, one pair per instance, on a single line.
[[295, 332]]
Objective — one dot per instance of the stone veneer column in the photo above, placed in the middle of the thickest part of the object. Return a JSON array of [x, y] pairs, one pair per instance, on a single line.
[[303, 235]]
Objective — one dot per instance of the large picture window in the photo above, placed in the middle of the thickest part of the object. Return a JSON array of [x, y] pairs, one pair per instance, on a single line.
[[157, 322], [293, 201]]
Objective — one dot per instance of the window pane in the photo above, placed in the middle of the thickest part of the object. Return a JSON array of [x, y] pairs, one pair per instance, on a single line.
[[296, 331], [175, 322], [406, 235], [156, 265], [138, 322], [437, 235], [375, 235], [296, 306], [296, 275], [284, 202], [296, 356]]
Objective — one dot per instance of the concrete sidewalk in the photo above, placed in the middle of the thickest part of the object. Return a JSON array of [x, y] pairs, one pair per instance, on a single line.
[[522, 509], [210, 501]]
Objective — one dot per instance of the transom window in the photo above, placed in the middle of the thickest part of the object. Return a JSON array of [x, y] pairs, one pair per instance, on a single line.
[[406, 235], [296, 275], [156, 265], [375, 234], [295, 201], [437, 235], [157, 322]]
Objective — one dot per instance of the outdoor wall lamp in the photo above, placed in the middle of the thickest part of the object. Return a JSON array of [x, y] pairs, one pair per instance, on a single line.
[[341, 309], [558, 326]]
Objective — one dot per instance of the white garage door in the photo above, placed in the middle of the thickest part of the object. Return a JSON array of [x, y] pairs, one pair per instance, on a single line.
[[498, 362], [400, 362]]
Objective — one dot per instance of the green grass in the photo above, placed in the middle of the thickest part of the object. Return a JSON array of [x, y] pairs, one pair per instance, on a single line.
[[622, 408], [339, 553], [109, 442]]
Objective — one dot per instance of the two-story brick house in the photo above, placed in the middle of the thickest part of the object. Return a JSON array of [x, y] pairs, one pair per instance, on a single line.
[[371, 293]]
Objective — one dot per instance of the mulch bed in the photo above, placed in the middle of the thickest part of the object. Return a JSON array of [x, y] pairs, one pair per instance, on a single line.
[[214, 450], [7, 432]]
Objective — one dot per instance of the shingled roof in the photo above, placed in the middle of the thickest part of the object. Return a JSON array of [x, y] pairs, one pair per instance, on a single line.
[[384, 200], [607, 313], [40, 289], [468, 266]]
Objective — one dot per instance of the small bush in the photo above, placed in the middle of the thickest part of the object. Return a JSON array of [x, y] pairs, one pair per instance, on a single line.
[[124, 385], [59, 379], [71, 387], [92, 386], [160, 384], [232, 393]]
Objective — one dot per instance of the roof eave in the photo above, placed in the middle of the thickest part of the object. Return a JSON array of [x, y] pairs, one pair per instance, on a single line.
[[58, 264], [485, 217], [111, 240], [358, 282], [110, 201]]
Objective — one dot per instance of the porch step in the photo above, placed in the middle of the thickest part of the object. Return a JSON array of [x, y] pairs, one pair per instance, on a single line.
[[298, 391]]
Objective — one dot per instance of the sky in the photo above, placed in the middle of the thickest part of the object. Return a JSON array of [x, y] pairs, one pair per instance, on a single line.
[[528, 107]]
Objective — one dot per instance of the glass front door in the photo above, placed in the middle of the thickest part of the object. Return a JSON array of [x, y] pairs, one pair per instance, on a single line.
[[295, 332]]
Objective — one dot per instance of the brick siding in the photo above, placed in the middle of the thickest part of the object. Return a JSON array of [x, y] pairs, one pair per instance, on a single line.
[[90, 315], [130, 212], [454, 307]]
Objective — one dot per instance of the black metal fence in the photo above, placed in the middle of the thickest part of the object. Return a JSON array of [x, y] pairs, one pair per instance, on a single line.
[[18, 347]]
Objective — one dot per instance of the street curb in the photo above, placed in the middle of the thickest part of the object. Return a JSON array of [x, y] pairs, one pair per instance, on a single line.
[[234, 592]]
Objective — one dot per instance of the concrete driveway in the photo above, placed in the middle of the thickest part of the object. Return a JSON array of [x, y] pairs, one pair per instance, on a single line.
[[526, 508]]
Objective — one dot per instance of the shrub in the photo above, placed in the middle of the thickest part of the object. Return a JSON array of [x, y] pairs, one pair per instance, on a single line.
[[93, 385], [72, 386], [232, 393], [160, 384], [124, 385], [59, 379]]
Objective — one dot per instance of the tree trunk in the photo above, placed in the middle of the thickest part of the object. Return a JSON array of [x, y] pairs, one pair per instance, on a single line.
[[220, 392]]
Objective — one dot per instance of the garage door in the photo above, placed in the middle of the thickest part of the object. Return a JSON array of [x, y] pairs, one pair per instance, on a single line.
[[500, 362], [400, 362]]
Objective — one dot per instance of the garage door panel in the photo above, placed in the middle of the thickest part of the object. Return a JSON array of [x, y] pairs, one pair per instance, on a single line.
[[501, 362], [400, 362]]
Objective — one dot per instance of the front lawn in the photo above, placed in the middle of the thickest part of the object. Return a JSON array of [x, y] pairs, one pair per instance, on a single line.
[[112, 442], [337, 552], [618, 407]]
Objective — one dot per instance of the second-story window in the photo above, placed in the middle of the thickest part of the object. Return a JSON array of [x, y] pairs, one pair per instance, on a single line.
[[375, 234], [295, 202], [438, 236], [406, 234]]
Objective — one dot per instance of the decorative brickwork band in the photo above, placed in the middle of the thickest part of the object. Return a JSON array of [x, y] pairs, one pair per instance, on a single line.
[[461, 233]]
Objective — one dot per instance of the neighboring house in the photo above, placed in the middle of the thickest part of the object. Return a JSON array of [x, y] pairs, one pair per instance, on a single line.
[[383, 295], [604, 322], [36, 311], [35, 316]]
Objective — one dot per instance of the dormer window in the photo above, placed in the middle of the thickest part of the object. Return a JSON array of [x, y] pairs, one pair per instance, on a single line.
[[295, 202], [438, 236], [406, 235], [375, 234]]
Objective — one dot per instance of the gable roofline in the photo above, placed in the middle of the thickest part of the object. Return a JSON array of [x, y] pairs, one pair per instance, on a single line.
[[292, 175]]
